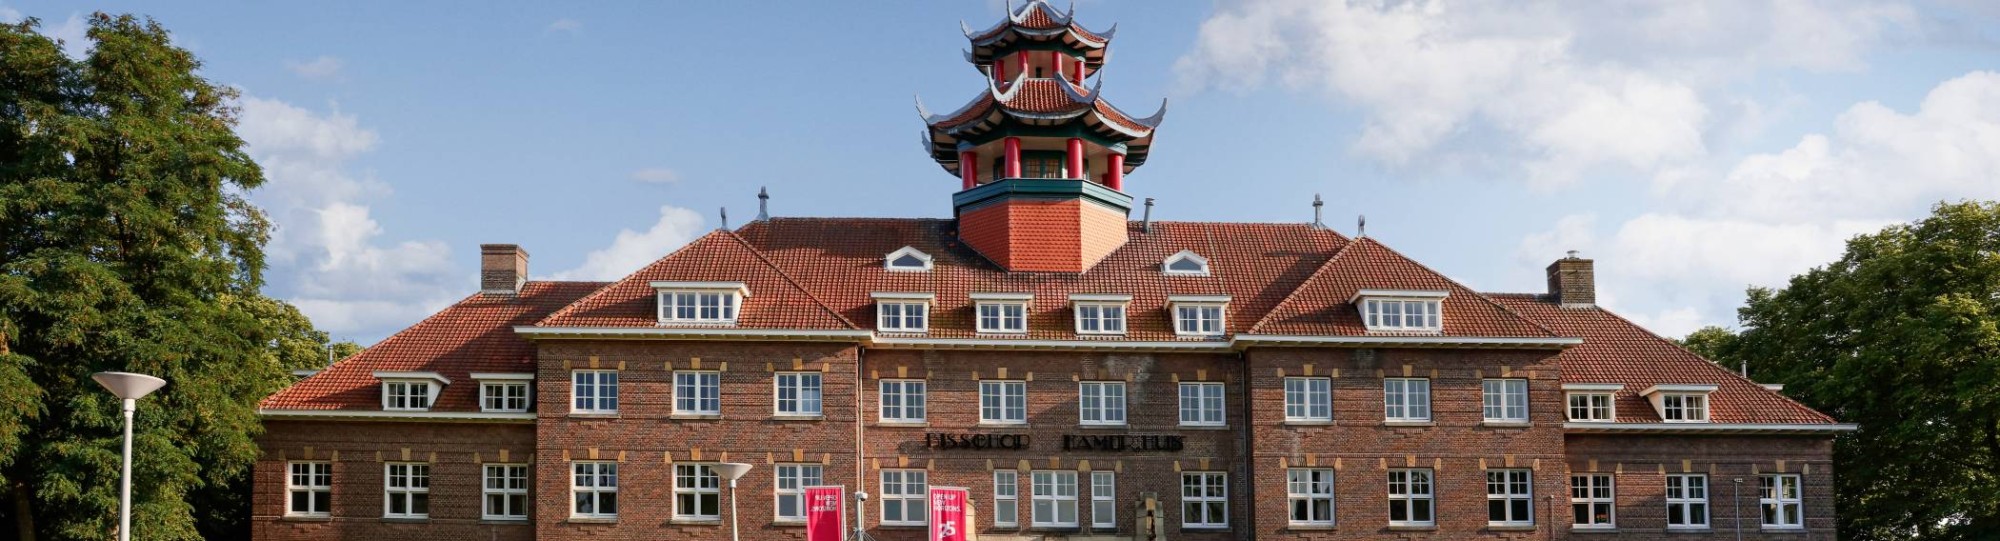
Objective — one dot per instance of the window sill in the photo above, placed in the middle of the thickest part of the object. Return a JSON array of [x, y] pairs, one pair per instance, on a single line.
[[591, 520], [788, 522], [307, 518], [1120, 426], [1308, 422], [1783, 530], [1204, 427], [1056, 529], [590, 416], [1204, 528], [1310, 527], [1505, 424], [1413, 527], [1511, 527], [406, 520], [1587, 531], [1409, 424], [1690, 531], [695, 521], [798, 417], [903, 424], [523, 521], [696, 416], [902, 526], [1001, 424]]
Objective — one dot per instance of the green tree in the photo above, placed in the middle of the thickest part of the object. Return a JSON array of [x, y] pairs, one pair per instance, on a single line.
[[1901, 335], [126, 244]]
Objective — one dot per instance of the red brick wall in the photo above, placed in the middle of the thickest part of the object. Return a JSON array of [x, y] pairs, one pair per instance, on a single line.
[[1639, 465], [1043, 235], [358, 450]]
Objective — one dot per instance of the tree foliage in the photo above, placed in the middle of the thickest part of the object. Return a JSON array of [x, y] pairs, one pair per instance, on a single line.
[[126, 244], [1901, 335]]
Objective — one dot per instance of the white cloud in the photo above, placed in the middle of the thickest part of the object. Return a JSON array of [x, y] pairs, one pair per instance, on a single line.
[[1673, 323], [324, 68], [74, 33], [565, 25], [10, 15], [656, 175], [634, 249]]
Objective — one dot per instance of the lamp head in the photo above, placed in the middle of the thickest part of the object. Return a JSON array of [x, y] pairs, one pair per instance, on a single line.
[[128, 385], [732, 470]]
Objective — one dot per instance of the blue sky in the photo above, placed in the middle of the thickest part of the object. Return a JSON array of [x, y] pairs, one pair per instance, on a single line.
[[1692, 148]]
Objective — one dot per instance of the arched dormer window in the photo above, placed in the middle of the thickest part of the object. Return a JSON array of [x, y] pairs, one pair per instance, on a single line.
[[907, 260], [1185, 263]]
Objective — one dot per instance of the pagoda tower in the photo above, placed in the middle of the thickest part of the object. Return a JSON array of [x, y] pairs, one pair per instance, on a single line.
[[1040, 156]]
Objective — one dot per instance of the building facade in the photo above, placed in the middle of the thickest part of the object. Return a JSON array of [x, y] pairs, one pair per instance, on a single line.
[[1084, 375]]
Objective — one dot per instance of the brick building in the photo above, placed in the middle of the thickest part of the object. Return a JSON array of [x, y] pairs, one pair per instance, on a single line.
[[1084, 375]]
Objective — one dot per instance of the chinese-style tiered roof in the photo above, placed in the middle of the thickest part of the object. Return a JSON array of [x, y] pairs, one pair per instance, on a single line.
[[1037, 21]]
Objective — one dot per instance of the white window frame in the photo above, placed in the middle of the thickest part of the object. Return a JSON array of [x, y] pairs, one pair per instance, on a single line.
[[487, 396], [690, 392], [1504, 400], [416, 486], [807, 395], [1609, 407], [1416, 485], [1009, 317], [597, 473], [499, 481], [911, 405], [1194, 318], [1103, 316], [318, 477], [596, 402], [695, 482], [1687, 493], [1100, 403], [898, 316], [694, 306], [906, 480], [889, 261], [1051, 493], [1205, 490], [788, 483], [1104, 500], [1593, 491], [1309, 487], [1006, 498], [1309, 399], [1406, 400], [1167, 266], [398, 394], [1511, 490], [1208, 397], [1395, 313], [1003, 402], [1771, 495], [1689, 407]]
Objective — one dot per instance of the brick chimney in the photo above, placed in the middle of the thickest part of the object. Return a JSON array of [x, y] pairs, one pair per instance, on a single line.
[[1573, 281], [502, 268]]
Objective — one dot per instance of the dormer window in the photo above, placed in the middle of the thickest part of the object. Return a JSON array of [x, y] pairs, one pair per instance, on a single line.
[[1680, 403], [907, 259], [1198, 315], [1185, 263], [902, 312], [1002, 312], [503, 392], [700, 302], [1401, 310], [1100, 314], [1592, 402], [409, 391]]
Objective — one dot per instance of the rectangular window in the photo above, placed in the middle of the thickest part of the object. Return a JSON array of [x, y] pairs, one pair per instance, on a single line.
[[1402, 315], [902, 317], [1406, 399], [406, 395], [408, 490], [1006, 498], [594, 391], [1204, 500], [1003, 402], [697, 307], [503, 396], [308, 489], [1687, 501], [1054, 499], [902, 401], [1100, 318], [698, 392], [1410, 498], [798, 393], [1310, 492], [505, 489], [903, 493], [1591, 500], [1104, 500], [792, 480], [1101, 402], [1308, 399], [593, 488], [1779, 499], [1008, 317], [1685, 408], [1510, 500], [697, 492], [1198, 319], [1201, 404], [1590, 407], [1506, 400]]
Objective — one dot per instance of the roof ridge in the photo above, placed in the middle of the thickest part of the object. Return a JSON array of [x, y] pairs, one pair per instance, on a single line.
[[371, 348], [1476, 293], [565, 310], [1711, 364], [1294, 294], [793, 282]]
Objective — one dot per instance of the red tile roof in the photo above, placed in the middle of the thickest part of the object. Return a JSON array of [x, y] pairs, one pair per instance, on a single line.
[[775, 302], [1320, 307]]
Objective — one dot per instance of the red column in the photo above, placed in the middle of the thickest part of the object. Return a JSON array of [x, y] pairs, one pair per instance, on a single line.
[[1114, 173], [1076, 159], [1024, 63], [1055, 64], [999, 71], [1079, 70], [968, 168], [1013, 146]]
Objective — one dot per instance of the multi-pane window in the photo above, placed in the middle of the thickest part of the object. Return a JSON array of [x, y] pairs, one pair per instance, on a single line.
[[903, 400], [1201, 404], [1684, 408], [406, 395], [1100, 318], [902, 316], [1310, 492], [903, 493], [1198, 319], [309, 489], [1101, 402], [503, 396], [798, 393], [792, 480], [1406, 399], [1204, 500], [697, 306], [1510, 498], [1053, 496], [698, 392], [1779, 499], [407, 494], [1506, 400], [1687, 501], [1103, 499], [594, 391], [1006, 498], [1003, 401], [1591, 499], [1308, 399], [1590, 407], [1410, 498], [593, 488], [1007, 317], [697, 492], [1401, 315], [505, 488]]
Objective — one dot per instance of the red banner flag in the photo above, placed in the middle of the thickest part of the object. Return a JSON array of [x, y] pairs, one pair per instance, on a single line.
[[826, 513], [949, 520]]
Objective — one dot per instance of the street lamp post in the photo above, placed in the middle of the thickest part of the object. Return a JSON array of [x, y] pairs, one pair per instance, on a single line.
[[1736, 494], [130, 388], [732, 471]]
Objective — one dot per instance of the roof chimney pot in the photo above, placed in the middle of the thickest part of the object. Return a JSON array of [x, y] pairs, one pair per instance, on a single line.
[[1146, 220], [1573, 281], [503, 268]]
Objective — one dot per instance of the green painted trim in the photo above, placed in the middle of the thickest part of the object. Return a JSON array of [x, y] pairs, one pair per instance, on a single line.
[[1041, 188], [1009, 128]]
